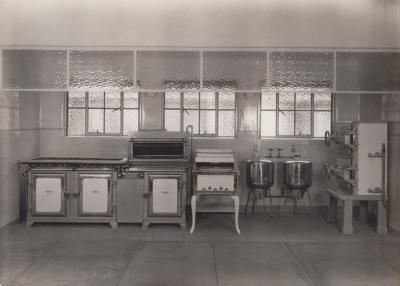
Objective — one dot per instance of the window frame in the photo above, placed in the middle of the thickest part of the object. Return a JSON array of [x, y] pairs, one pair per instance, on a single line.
[[277, 111], [86, 109], [199, 109]]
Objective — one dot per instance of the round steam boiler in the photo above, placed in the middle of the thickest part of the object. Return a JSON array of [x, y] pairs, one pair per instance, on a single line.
[[259, 177], [297, 177]]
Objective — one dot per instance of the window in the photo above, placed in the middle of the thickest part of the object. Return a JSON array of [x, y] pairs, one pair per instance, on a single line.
[[102, 113], [295, 114], [210, 113]]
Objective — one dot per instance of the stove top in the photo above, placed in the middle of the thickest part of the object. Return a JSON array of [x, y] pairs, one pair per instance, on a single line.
[[75, 160]]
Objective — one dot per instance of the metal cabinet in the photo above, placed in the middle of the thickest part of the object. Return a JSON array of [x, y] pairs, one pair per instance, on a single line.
[[165, 198], [130, 193], [69, 195]]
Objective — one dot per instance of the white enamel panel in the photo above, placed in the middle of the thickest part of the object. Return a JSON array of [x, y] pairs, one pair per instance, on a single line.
[[221, 182], [371, 136], [94, 195], [165, 196], [48, 195]]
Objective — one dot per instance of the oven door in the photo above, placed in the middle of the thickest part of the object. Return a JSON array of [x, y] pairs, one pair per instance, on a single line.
[[139, 150], [95, 194], [48, 194], [165, 195]]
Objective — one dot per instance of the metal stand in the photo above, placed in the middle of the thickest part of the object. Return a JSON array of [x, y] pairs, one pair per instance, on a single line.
[[267, 193]]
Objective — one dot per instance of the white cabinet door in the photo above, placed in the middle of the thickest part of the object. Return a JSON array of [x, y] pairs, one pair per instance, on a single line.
[[165, 196], [94, 194], [48, 195]]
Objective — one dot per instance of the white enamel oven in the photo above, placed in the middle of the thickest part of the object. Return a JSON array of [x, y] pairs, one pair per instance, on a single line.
[[71, 195], [165, 197]]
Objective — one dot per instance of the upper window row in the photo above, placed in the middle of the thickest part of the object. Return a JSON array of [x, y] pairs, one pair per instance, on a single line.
[[210, 113]]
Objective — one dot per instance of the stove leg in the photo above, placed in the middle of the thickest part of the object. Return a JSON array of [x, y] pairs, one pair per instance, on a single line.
[[114, 225], [193, 202], [309, 198], [237, 204], [254, 201], [247, 202]]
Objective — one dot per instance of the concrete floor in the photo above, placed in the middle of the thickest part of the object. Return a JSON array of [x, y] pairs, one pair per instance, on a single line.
[[299, 249]]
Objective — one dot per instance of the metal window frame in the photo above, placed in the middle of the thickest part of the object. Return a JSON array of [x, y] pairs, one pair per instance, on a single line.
[[277, 110]]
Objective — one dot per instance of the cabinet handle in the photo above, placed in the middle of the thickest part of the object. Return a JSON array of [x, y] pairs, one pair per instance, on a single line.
[[76, 195], [145, 196], [66, 195]]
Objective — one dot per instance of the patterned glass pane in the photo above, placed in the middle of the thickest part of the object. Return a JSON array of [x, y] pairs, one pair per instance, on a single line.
[[76, 121], [226, 100], [268, 123], [303, 123], [172, 120], [207, 122], [375, 71], [131, 120], [76, 99], [96, 120], [301, 70], [234, 70], [96, 99], [101, 69], [322, 101], [191, 117], [303, 101], [268, 100], [286, 101], [191, 100], [322, 123], [34, 69], [113, 121], [152, 110], [113, 99], [226, 123], [286, 123], [207, 100], [131, 100], [168, 69], [172, 99]]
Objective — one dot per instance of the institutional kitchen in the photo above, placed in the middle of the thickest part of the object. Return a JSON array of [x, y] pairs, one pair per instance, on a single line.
[[199, 143]]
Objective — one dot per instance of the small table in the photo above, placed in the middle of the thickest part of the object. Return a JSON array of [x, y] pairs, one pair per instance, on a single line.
[[347, 223]]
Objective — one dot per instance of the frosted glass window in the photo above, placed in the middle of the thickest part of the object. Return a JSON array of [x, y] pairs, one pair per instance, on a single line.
[[362, 71], [268, 100], [172, 119], [296, 113], [207, 122], [96, 99], [322, 123], [131, 100], [268, 123], [76, 121], [112, 121], [151, 110], [207, 100], [303, 101], [286, 101], [322, 101], [191, 100], [113, 100], [301, 70], [303, 123], [226, 100], [286, 123], [191, 117], [76, 99], [234, 70], [101, 69], [168, 69], [172, 99], [131, 120], [226, 123], [96, 121], [39, 69]]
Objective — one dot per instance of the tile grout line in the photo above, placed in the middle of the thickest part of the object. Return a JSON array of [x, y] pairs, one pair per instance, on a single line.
[[139, 245], [215, 263], [298, 263], [35, 260]]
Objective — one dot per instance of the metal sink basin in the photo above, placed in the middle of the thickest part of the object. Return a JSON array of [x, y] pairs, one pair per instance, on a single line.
[[259, 173], [297, 175]]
